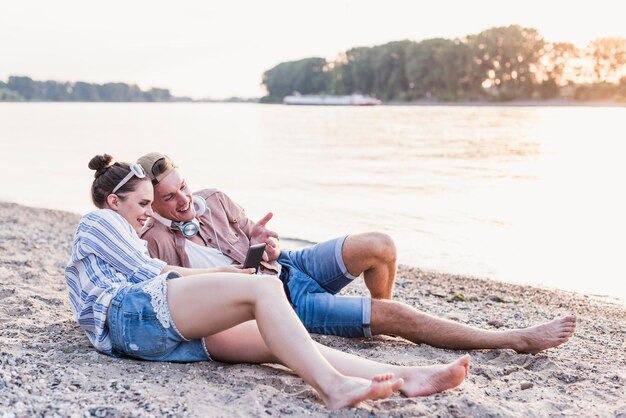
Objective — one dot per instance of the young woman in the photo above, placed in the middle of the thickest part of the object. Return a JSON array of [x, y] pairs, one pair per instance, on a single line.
[[131, 304]]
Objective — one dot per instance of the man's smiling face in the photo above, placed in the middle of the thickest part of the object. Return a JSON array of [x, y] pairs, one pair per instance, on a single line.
[[172, 198]]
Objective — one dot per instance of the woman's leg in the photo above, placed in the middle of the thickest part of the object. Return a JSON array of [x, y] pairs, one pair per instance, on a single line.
[[419, 380], [244, 344], [207, 304]]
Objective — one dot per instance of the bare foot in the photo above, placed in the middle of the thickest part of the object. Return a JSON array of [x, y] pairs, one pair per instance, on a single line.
[[424, 381], [352, 390], [540, 337]]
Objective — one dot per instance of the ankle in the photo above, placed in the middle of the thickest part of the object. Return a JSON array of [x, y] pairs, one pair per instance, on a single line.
[[327, 386], [515, 339]]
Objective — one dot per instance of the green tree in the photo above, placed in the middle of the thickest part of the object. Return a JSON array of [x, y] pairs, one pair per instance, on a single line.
[[506, 59], [7, 95], [354, 72], [53, 91], [158, 95], [306, 76], [27, 89], [119, 92], [555, 68], [609, 59], [85, 92], [390, 80], [555, 62], [440, 69], [24, 86]]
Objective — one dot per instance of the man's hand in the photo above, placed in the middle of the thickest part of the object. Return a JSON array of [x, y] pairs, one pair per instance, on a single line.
[[260, 233], [272, 250]]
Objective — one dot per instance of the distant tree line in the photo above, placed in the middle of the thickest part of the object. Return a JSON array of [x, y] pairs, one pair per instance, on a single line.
[[27, 89], [502, 63]]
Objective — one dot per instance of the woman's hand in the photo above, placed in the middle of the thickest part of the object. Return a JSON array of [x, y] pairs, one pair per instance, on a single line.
[[233, 268], [236, 268]]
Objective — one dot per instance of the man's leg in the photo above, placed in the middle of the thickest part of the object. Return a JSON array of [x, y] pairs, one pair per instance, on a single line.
[[374, 255], [323, 313], [397, 318], [315, 275]]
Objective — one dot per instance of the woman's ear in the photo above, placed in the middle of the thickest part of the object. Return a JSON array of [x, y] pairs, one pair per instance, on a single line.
[[113, 201]]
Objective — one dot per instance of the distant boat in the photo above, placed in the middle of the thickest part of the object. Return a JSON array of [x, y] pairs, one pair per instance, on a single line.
[[328, 100]]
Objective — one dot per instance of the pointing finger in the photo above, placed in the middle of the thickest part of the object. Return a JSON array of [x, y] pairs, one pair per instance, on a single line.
[[265, 219]]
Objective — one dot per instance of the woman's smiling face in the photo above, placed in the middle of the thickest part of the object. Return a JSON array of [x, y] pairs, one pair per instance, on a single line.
[[135, 206]]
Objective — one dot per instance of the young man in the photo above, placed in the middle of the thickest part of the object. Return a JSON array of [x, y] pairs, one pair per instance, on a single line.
[[221, 234]]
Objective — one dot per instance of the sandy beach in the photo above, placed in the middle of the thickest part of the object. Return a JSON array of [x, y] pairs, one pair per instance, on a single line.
[[48, 368]]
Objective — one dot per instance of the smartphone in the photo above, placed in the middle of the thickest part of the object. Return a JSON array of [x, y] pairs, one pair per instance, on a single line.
[[254, 257]]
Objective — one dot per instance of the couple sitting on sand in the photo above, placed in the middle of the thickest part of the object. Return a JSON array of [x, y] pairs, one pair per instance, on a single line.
[[129, 300]]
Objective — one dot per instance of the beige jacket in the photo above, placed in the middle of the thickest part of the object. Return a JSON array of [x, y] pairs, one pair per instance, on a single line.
[[232, 229]]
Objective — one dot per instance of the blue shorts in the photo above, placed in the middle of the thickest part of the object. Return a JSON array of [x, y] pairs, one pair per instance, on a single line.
[[314, 275], [141, 326]]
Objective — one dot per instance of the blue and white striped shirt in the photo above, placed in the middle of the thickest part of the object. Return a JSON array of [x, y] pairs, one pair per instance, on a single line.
[[107, 255]]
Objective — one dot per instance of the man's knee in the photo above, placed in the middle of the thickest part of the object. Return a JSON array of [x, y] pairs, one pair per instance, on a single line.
[[367, 251], [381, 246]]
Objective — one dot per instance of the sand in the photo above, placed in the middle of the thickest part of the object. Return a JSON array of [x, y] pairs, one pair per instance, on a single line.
[[48, 367]]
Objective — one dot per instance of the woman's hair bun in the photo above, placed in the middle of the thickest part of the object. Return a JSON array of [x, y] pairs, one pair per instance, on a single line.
[[99, 163]]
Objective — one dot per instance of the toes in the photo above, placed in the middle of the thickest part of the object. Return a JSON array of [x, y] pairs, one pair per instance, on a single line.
[[384, 389], [397, 384], [465, 360], [382, 377]]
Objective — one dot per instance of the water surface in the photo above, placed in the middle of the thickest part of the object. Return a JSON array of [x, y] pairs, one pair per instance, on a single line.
[[520, 194]]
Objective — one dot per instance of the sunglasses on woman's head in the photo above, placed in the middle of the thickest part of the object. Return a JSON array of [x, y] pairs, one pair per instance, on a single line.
[[135, 170]]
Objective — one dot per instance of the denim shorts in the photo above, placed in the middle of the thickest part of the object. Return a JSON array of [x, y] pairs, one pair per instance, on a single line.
[[141, 326], [314, 275]]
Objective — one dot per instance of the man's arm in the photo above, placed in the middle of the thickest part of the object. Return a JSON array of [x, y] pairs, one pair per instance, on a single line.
[[260, 234], [256, 232]]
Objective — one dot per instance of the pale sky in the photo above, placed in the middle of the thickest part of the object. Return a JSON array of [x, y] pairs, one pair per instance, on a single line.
[[220, 49]]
